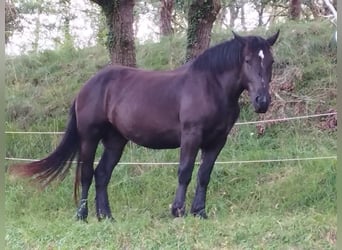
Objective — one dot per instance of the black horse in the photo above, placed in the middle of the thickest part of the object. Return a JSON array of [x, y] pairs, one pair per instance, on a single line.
[[193, 107]]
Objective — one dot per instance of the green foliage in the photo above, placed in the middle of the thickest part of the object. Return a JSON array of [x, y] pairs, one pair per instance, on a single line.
[[35, 6], [51, 79], [166, 54], [275, 205]]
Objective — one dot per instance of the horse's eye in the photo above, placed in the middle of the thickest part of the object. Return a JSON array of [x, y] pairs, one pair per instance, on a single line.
[[248, 60]]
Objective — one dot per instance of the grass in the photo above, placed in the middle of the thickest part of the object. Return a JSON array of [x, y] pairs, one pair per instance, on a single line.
[[249, 207], [145, 232], [276, 205]]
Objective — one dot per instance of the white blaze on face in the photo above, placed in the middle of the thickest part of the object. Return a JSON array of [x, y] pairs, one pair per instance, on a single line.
[[262, 56]]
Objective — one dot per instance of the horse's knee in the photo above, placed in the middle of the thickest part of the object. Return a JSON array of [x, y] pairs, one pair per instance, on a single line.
[[184, 175], [203, 180]]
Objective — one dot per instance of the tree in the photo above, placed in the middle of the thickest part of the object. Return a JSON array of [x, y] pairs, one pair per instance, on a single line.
[[295, 9], [260, 8], [66, 18], [314, 8], [36, 9], [120, 38], [234, 9], [243, 17], [11, 19], [331, 7], [166, 17], [48, 21], [201, 16]]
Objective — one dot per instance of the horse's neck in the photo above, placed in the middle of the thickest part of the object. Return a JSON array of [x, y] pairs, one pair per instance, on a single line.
[[231, 84]]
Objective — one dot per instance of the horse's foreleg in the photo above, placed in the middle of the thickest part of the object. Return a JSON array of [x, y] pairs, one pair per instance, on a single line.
[[86, 158], [188, 152], [209, 156], [114, 145]]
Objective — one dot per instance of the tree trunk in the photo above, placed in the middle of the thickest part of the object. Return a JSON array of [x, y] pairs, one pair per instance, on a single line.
[[166, 17], [261, 15], [221, 17], [260, 9], [66, 18], [295, 9], [35, 44], [201, 16], [11, 17], [243, 17], [234, 12], [120, 40]]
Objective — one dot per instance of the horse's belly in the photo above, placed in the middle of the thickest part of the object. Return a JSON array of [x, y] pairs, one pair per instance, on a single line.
[[152, 124], [156, 134], [155, 139]]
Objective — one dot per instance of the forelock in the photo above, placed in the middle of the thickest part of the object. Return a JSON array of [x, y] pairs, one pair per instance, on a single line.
[[257, 43]]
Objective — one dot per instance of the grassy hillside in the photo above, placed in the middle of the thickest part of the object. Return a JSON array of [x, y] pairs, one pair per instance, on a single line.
[[273, 205]]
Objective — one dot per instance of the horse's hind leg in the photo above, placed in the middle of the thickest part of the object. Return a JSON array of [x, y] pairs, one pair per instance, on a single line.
[[114, 144], [86, 159]]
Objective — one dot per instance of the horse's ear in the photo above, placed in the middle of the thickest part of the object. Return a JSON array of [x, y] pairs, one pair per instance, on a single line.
[[271, 40], [239, 38]]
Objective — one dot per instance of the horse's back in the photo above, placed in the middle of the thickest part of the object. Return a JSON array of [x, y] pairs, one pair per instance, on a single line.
[[141, 105]]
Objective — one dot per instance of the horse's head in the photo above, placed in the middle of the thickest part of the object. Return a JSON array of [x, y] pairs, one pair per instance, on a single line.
[[256, 69]]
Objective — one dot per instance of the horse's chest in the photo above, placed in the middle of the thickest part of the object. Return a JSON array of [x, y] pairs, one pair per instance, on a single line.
[[219, 125], [215, 130]]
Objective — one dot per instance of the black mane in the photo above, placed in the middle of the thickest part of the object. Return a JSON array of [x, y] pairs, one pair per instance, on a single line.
[[226, 55]]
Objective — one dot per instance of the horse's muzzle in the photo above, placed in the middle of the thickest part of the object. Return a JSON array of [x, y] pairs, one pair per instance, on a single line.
[[261, 103]]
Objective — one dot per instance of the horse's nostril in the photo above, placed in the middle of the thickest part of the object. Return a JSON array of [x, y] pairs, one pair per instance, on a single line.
[[261, 99]]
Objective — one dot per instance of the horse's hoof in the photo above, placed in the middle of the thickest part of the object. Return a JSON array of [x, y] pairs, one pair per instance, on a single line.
[[81, 217], [82, 211], [103, 217], [201, 214], [178, 212]]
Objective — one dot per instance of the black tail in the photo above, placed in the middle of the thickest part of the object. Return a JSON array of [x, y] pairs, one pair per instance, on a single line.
[[58, 162]]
